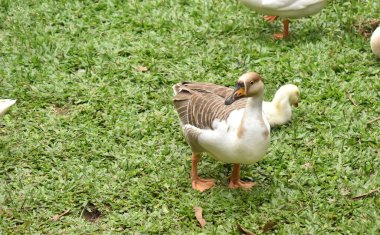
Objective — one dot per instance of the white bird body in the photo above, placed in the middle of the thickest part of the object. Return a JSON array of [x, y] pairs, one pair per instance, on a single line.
[[375, 42], [286, 8], [279, 110], [225, 145], [5, 104]]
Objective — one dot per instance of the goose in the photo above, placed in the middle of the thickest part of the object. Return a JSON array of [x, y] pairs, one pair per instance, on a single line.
[[375, 42], [285, 9], [231, 131], [279, 110], [5, 104]]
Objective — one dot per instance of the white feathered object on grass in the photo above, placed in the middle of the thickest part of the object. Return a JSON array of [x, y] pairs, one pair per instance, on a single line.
[[5, 104], [285, 9], [375, 42], [279, 110]]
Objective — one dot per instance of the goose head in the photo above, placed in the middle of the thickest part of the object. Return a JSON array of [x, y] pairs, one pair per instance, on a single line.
[[249, 85], [289, 94]]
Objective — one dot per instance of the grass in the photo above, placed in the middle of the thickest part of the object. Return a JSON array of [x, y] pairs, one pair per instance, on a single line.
[[91, 130]]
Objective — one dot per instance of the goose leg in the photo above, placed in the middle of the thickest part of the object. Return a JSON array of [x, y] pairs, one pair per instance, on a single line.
[[284, 22], [235, 181], [286, 30], [197, 182]]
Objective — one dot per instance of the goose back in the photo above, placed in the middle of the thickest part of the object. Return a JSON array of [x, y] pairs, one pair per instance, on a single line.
[[199, 104]]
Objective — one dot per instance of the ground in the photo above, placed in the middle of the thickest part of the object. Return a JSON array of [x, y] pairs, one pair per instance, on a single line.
[[94, 130]]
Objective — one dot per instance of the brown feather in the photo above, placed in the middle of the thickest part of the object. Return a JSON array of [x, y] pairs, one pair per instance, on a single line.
[[199, 104]]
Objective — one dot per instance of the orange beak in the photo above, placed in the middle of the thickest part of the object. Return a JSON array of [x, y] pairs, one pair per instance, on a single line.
[[238, 93]]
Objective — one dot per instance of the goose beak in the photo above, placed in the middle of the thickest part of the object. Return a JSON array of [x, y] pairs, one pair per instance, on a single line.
[[238, 93]]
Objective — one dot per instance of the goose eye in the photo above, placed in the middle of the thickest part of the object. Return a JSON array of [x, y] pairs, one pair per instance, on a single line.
[[251, 82]]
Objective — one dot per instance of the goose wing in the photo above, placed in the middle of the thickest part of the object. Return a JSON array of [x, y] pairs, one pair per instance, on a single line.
[[218, 90], [199, 104]]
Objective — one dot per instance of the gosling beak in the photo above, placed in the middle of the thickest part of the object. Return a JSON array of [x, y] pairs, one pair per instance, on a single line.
[[238, 93]]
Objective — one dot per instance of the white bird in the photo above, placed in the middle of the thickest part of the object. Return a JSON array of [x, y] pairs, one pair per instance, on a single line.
[[279, 110], [232, 132], [5, 104], [375, 42], [285, 9]]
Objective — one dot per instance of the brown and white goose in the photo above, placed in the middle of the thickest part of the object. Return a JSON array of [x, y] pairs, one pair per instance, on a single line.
[[231, 130]]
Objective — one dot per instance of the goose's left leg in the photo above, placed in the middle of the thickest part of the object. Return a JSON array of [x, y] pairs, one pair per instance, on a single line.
[[235, 181]]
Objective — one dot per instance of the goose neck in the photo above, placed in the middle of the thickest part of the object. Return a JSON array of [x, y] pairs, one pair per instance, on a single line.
[[254, 104]]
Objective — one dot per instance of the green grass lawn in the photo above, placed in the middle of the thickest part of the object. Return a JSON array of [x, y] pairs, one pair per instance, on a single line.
[[90, 130]]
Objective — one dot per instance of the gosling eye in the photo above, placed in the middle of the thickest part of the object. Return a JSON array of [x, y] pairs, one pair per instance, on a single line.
[[251, 82]]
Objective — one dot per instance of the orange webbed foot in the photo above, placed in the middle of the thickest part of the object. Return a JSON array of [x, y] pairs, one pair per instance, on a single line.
[[235, 181], [241, 184], [202, 184], [270, 18], [279, 36]]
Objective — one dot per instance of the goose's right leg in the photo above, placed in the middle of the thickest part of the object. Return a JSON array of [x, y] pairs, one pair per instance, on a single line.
[[285, 22], [197, 182]]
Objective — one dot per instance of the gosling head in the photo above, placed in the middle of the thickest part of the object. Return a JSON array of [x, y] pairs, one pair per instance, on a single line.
[[249, 85], [290, 93]]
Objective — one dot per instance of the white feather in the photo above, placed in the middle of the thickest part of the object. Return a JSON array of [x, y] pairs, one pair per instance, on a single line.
[[279, 110], [224, 145], [375, 42], [286, 8], [5, 104]]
